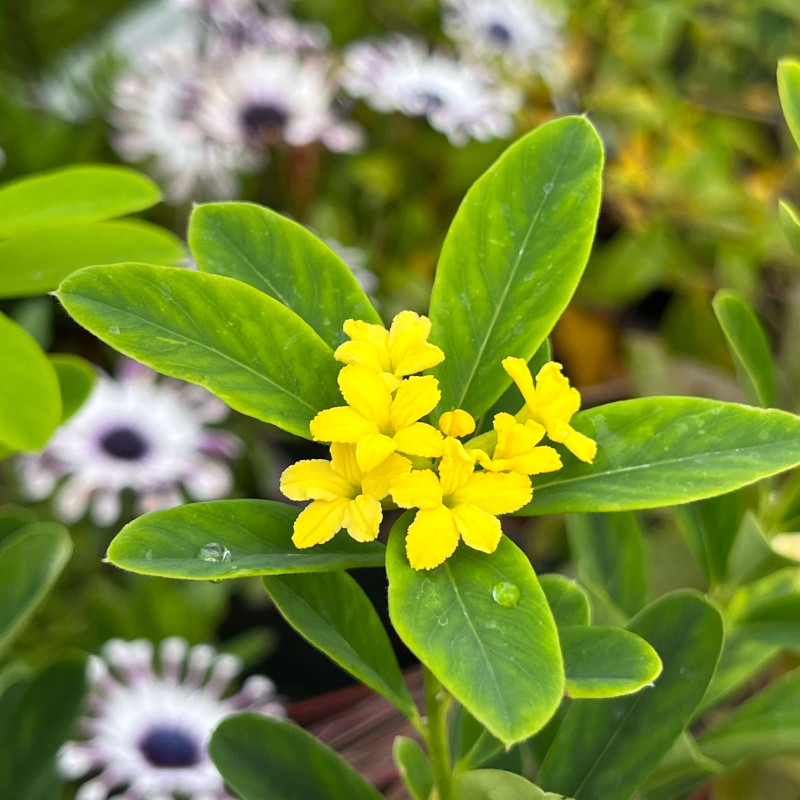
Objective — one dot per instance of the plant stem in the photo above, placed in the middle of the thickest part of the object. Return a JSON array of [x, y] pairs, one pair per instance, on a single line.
[[437, 702]]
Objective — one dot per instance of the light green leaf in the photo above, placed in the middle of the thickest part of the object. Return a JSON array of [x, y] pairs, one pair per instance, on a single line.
[[255, 534], [413, 766], [513, 258], [660, 451], [265, 759], [331, 611], [606, 662], [76, 378], [30, 402], [36, 263], [503, 664], [567, 600], [608, 551], [748, 345], [242, 345], [789, 91], [30, 563], [496, 784], [607, 748], [790, 222], [752, 556], [282, 259], [73, 195]]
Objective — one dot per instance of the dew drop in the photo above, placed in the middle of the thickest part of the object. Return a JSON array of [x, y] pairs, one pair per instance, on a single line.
[[214, 552], [442, 620], [114, 329], [506, 594]]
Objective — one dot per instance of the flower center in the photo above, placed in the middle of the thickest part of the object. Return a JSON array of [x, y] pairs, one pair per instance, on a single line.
[[264, 119], [165, 746], [500, 34], [124, 443], [431, 101]]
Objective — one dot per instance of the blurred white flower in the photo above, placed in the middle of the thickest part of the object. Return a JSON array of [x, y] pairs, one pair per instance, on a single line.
[[464, 101], [787, 544], [261, 98], [134, 433], [356, 259], [145, 732], [522, 33]]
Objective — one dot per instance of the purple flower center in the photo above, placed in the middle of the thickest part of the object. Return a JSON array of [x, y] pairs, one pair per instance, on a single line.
[[262, 119], [166, 746], [500, 34], [124, 443]]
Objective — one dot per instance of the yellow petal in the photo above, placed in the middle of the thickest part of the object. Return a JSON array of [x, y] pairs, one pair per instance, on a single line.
[[314, 479], [419, 439], [418, 489], [513, 438], [341, 424], [534, 462], [495, 493], [554, 393], [414, 399], [343, 459], [378, 481], [517, 368], [372, 450], [432, 538], [479, 530], [364, 391], [408, 346], [581, 446], [319, 522], [367, 332], [368, 347], [362, 518], [455, 467], [457, 423]]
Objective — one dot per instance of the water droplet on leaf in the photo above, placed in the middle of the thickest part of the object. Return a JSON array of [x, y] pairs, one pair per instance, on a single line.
[[506, 594], [214, 552], [114, 329]]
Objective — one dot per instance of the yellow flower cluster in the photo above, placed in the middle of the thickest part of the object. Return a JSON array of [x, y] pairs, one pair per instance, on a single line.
[[380, 448]]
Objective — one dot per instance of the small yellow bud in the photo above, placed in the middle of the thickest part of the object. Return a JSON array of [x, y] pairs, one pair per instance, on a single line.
[[456, 423]]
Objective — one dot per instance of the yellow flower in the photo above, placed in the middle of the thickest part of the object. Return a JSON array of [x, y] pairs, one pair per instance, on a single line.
[[456, 423], [344, 496], [377, 422], [458, 503], [552, 403], [394, 354], [516, 449]]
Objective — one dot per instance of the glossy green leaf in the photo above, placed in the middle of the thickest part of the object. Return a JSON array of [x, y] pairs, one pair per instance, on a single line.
[[567, 600], [14, 519], [789, 91], [30, 563], [513, 257], [496, 784], [36, 263], [413, 766], [30, 402], [264, 759], [606, 662], [255, 534], [660, 451], [748, 345], [73, 195], [331, 611], [790, 222], [282, 259], [503, 664], [609, 554], [682, 771], [607, 748], [240, 344], [76, 378], [768, 610]]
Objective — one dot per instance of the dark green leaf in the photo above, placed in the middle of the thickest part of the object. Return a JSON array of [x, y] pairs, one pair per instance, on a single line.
[[413, 766], [768, 610], [76, 378], [682, 771], [567, 600]]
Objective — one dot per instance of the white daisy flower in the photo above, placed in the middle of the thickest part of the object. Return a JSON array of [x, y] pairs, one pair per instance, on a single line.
[[145, 732], [262, 98], [522, 33], [134, 433], [463, 101]]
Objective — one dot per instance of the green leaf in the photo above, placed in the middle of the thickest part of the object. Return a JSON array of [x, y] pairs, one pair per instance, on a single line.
[[607, 748], [748, 345], [256, 534], [513, 258], [30, 403], [76, 378], [413, 766], [282, 259], [503, 664], [237, 342], [682, 771], [36, 263], [73, 195], [789, 91], [30, 563], [660, 451], [567, 600], [608, 551], [790, 222], [606, 662], [331, 611], [496, 784], [752, 556], [265, 759]]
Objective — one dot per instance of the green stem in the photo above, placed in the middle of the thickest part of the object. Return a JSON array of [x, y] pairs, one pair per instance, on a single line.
[[437, 702]]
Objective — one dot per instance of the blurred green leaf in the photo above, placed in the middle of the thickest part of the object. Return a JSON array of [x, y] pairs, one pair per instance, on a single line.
[[768, 610], [413, 766], [683, 769], [513, 257], [240, 344], [76, 378], [752, 556], [496, 784], [789, 91], [230, 539], [567, 600], [790, 222]]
